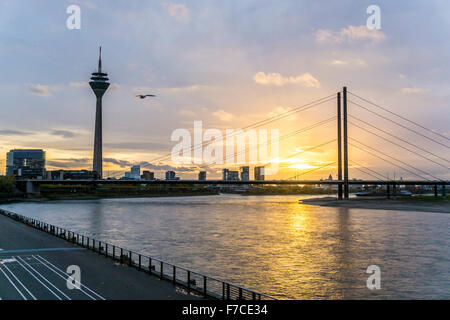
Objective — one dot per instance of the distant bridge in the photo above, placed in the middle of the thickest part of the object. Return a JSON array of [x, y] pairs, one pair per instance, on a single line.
[[34, 186]]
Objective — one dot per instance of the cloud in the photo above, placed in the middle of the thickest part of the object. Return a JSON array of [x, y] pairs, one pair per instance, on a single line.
[[69, 163], [353, 62], [349, 34], [39, 90], [177, 10], [63, 133], [142, 146], [305, 80], [14, 133], [223, 115], [414, 90], [81, 84], [146, 165], [187, 113]]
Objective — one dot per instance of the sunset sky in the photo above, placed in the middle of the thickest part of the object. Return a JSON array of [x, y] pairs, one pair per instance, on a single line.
[[227, 63]]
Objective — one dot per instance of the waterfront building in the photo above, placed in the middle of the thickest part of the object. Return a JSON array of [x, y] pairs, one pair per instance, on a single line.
[[26, 163], [134, 173], [171, 175], [136, 170], [202, 175], [259, 173], [245, 173], [148, 175], [71, 175], [225, 174], [233, 175]]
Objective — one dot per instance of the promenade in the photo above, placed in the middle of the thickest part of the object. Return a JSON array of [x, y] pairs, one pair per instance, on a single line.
[[33, 266]]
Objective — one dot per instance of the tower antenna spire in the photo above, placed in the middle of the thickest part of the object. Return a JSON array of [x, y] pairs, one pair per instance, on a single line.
[[100, 60]]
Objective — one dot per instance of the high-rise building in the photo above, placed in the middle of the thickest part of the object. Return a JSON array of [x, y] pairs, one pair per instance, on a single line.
[[225, 174], [26, 163], [136, 170], [233, 175], [245, 173], [171, 175], [148, 175], [259, 173], [202, 175], [99, 84]]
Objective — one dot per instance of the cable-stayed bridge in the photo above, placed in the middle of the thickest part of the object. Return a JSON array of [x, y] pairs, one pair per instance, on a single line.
[[433, 153]]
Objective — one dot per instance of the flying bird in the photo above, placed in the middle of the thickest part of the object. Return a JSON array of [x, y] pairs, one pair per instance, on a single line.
[[143, 96]]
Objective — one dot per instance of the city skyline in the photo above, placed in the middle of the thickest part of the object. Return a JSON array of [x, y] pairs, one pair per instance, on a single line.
[[219, 82]]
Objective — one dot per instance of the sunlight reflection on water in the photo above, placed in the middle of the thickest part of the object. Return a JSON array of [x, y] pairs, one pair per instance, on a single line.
[[272, 244]]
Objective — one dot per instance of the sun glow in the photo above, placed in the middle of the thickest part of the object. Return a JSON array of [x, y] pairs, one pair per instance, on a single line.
[[302, 166]]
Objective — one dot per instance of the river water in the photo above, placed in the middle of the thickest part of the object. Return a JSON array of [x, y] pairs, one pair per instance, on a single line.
[[273, 244]]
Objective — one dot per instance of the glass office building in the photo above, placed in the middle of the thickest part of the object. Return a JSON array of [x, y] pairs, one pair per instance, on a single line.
[[26, 163]]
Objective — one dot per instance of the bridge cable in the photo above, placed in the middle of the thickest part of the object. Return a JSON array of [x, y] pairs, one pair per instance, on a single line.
[[263, 122], [309, 171], [401, 117], [422, 177], [371, 170], [399, 124], [288, 135], [394, 136], [395, 159], [412, 151]]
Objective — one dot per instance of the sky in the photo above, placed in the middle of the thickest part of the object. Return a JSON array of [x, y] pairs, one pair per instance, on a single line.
[[228, 64]]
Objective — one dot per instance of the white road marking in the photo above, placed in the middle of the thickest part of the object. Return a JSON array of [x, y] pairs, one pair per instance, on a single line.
[[65, 274], [64, 277], [10, 281], [20, 282], [39, 280]]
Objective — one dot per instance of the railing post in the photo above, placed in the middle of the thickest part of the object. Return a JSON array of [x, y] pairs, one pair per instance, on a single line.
[[93, 244], [131, 257], [162, 272], [121, 255], [150, 265], [174, 274], [435, 191], [139, 262], [240, 293], [204, 286], [388, 190], [228, 291], [189, 281], [223, 290], [106, 249], [114, 252]]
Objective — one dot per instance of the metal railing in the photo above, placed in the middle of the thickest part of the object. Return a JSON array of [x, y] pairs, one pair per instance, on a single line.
[[192, 281]]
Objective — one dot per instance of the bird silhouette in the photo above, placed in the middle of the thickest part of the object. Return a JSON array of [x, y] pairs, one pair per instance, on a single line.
[[143, 96]]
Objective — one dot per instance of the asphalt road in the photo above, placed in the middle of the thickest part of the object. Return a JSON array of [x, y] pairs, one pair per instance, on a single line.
[[34, 265]]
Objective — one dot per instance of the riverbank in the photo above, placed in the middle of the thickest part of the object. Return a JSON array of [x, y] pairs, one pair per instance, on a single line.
[[98, 197], [27, 253], [401, 204]]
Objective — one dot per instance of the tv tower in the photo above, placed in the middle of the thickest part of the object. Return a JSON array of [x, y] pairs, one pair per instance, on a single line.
[[99, 84]]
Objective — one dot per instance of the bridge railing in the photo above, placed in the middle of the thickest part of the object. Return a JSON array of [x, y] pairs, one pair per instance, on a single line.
[[190, 281]]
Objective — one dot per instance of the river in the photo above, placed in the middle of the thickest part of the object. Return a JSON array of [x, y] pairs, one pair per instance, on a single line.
[[273, 244]]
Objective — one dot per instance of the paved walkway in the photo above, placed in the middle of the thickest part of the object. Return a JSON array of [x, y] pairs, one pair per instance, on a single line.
[[34, 264]]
